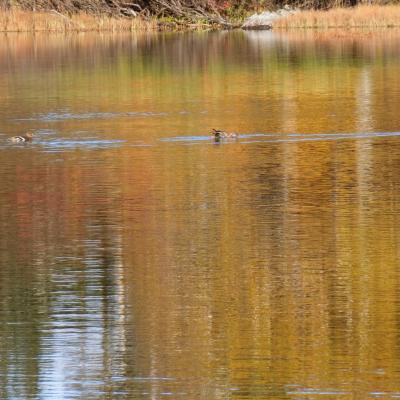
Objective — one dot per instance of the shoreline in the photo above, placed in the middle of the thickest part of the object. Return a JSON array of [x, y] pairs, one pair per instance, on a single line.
[[16, 20], [359, 17]]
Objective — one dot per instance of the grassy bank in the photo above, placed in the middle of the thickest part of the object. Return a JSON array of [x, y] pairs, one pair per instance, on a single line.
[[363, 16], [16, 20]]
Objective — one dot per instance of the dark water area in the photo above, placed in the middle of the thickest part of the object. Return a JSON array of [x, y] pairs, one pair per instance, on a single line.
[[139, 259]]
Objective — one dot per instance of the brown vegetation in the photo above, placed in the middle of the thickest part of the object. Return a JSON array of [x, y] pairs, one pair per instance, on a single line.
[[119, 15], [362, 16], [16, 20], [190, 10]]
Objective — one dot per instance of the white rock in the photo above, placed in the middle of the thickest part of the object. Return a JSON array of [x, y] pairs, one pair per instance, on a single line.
[[266, 18]]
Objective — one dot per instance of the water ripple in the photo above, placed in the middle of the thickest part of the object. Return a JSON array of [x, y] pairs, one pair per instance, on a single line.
[[62, 145], [277, 138], [64, 116]]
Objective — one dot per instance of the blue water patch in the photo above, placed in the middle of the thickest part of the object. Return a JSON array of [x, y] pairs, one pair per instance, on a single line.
[[64, 116], [185, 139], [318, 392], [210, 137], [311, 137], [277, 138], [63, 144], [89, 144]]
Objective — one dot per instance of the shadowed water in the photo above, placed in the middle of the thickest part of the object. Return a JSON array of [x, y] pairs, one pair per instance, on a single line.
[[140, 259]]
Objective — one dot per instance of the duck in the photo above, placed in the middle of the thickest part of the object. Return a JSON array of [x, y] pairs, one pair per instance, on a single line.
[[22, 138], [218, 134]]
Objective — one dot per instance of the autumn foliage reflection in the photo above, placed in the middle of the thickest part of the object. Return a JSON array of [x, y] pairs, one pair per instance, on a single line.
[[261, 267]]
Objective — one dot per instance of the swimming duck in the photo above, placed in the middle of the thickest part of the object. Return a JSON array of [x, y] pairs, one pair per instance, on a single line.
[[23, 138], [219, 134]]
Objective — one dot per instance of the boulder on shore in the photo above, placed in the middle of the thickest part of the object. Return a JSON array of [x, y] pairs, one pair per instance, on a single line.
[[265, 19]]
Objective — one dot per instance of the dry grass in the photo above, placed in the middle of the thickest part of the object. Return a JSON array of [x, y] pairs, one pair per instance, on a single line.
[[25, 21], [363, 16]]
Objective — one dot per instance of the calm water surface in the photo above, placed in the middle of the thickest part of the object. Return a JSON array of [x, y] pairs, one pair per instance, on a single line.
[[140, 260]]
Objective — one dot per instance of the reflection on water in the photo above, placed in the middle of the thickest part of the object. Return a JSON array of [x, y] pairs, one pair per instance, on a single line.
[[141, 260]]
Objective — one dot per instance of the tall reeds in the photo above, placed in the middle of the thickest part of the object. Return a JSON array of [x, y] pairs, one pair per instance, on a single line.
[[15, 20], [362, 16]]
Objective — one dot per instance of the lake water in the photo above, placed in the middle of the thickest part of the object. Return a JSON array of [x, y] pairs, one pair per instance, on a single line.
[[141, 260]]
